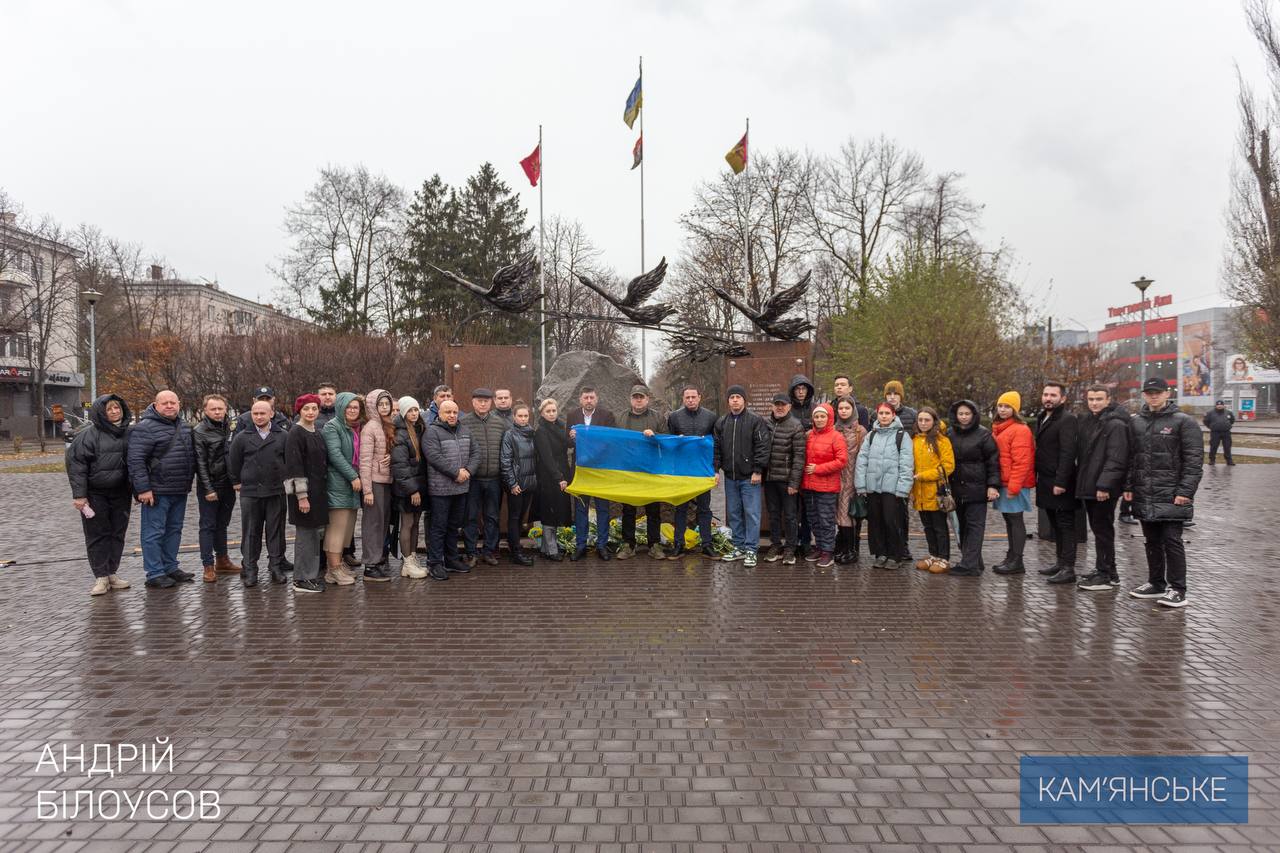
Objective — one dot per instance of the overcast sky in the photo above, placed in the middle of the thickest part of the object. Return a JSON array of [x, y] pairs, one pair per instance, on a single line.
[[1098, 135]]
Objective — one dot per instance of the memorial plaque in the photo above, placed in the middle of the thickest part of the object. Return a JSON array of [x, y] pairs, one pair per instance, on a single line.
[[471, 366], [768, 370]]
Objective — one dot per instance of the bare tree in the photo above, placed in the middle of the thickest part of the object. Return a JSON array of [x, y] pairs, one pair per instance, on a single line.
[[569, 253], [939, 222]]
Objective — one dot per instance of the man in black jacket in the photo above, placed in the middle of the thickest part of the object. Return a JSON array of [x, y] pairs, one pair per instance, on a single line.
[[161, 467], [1165, 466], [742, 453], [1102, 463], [1219, 422], [484, 494], [842, 386], [589, 414], [328, 394], [280, 419], [214, 493], [1055, 478], [256, 467], [782, 479], [692, 419]]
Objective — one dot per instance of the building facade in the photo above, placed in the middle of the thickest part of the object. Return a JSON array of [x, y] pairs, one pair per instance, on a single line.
[[196, 308]]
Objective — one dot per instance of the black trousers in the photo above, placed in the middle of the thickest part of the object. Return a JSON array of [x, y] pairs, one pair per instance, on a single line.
[[516, 506], [104, 533], [652, 523], [903, 530], [1222, 439], [1166, 555], [703, 504], [447, 515], [259, 516], [973, 529], [1102, 522], [1016, 528], [936, 533], [1064, 535], [782, 513], [885, 512]]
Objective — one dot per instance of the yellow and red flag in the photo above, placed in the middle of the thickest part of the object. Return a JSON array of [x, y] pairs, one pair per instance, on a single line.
[[737, 156]]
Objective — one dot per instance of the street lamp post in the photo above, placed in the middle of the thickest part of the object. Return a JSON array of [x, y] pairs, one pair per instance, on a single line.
[[92, 296], [1142, 284]]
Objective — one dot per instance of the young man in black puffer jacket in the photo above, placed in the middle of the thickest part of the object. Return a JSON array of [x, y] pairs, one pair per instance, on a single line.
[[782, 479], [1102, 464]]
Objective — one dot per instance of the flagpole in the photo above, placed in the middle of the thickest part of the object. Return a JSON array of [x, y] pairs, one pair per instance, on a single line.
[[542, 264], [746, 228], [643, 353]]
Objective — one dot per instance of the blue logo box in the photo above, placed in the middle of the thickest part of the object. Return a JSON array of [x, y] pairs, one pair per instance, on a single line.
[[1134, 789]]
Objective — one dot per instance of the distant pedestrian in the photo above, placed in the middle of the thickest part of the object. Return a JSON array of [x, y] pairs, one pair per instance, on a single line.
[[1220, 421]]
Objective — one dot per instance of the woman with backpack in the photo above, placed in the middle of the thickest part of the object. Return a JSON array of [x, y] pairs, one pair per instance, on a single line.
[[885, 472]]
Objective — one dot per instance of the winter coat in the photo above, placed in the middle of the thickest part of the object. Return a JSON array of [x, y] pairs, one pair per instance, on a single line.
[[375, 467], [883, 465], [408, 470], [486, 436], [212, 440], [1167, 462], [854, 434], [1056, 459], [684, 422], [907, 415], [278, 418], [162, 458], [786, 450], [648, 419], [1219, 421], [826, 450], [1102, 452], [977, 458], [340, 443], [1017, 455], [97, 458], [306, 469], [803, 411], [930, 468], [327, 413], [449, 449], [256, 464], [551, 446], [519, 459], [741, 445]]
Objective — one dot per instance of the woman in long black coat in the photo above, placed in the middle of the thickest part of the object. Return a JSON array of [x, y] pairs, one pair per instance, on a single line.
[[306, 469], [551, 442], [974, 483]]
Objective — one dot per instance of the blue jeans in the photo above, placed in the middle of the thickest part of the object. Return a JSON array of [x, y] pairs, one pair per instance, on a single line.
[[215, 516], [742, 505], [582, 523], [483, 498], [162, 534]]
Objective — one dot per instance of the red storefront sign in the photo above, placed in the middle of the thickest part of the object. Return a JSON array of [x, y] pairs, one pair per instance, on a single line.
[[1123, 310]]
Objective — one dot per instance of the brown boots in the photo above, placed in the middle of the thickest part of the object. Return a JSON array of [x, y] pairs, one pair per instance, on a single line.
[[210, 574], [224, 566]]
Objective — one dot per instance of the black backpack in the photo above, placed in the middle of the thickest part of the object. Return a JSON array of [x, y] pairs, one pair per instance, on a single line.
[[897, 438]]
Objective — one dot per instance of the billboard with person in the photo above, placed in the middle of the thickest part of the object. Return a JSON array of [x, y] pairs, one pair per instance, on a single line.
[[1240, 371]]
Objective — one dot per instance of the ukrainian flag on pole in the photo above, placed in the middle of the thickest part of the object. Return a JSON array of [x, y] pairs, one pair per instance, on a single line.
[[628, 467]]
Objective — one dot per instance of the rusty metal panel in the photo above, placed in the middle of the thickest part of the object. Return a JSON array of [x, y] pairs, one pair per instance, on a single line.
[[768, 370], [471, 366]]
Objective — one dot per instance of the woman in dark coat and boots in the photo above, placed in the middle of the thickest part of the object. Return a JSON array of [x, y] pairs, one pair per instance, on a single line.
[[974, 483], [848, 523], [409, 484], [100, 489], [519, 477], [551, 447], [306, 474]]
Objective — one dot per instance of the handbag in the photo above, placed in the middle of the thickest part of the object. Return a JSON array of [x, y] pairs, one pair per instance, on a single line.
[[946, 503], [858, 507]]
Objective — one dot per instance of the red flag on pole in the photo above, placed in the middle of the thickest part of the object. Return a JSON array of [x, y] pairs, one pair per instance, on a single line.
[[637, 153], [532, 165]]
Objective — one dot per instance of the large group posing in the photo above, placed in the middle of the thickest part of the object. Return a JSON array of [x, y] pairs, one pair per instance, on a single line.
[[819, 469]]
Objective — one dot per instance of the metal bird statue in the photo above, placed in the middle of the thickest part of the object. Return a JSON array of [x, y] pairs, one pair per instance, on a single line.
[[768, 318], [639, 289], [513, 287], [697, 346]]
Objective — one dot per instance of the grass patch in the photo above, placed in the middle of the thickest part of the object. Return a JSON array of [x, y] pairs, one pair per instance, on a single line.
[[56, 467]]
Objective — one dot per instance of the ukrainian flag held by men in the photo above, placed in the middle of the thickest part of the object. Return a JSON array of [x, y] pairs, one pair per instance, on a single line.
[[628, 467], [634, 102]]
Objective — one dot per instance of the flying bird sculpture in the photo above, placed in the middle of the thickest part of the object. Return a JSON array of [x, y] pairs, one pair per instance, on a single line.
[[639, 289], [769, 318], [514, 287]]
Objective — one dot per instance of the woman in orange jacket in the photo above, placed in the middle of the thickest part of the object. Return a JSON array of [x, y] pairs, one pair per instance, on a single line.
[[1017, 476], [825, 455]]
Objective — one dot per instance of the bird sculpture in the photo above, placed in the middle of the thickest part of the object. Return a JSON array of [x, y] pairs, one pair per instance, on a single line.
[[639, 289], [697, 347], [769, 318], [513, 287]]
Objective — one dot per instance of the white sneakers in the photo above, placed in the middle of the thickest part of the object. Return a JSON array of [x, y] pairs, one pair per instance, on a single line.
[[411, 568], [110, 582]]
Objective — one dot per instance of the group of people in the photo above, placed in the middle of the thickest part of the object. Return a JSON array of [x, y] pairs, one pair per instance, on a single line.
[[820, 468]]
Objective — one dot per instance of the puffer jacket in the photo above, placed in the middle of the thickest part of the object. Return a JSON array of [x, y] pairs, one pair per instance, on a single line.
[[684, 422], [375, 466], [1017, 455], [648, 419], [486, 436], [256, 464], [883, 466], [741, 445], [1102, 452], [786, 450], [162, 458], [977, 458], [825, 449], [1167, 462], [97, 458], [519, 460], [408, 474], [802, 411], [449, 449], [211, 439], [907, 415], [930, 468], [340, 441]]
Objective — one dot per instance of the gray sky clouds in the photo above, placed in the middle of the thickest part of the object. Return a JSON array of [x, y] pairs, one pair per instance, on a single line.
[[1098, 135]]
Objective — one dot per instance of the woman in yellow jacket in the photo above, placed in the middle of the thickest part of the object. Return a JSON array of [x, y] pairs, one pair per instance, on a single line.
[[934, 461]]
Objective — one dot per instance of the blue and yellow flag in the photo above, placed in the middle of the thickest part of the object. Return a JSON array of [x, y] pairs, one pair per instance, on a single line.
[[634, 102], [629, 467]]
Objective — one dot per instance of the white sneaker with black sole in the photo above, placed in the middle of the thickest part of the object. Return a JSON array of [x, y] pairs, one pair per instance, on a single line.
[[1147, 591], [1173, 598]]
